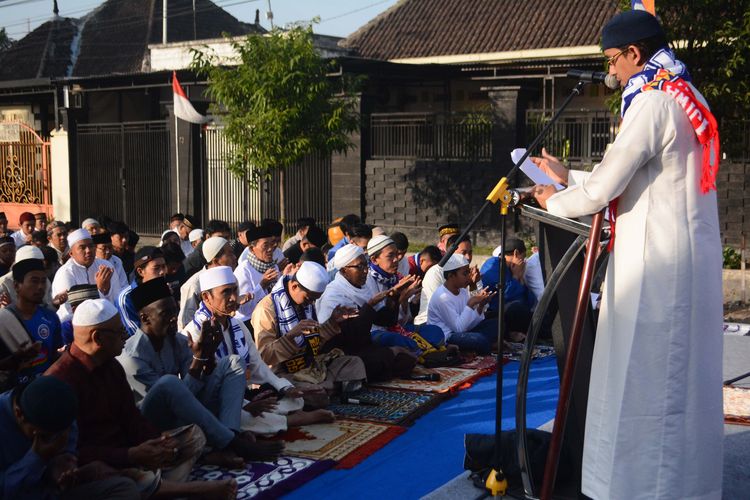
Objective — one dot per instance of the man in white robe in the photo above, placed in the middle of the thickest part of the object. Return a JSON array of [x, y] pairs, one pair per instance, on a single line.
[[654, 424], [257, 273], [83, 268]]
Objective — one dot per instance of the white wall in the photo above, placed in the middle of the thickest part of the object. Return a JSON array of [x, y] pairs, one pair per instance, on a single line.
[[60, 167]]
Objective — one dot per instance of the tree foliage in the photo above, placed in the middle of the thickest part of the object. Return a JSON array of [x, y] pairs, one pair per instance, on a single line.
[[712, 37], [277, 103], [5, 41]]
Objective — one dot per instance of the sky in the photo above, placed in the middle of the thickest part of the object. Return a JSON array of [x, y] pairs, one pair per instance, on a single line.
[[337, 17]]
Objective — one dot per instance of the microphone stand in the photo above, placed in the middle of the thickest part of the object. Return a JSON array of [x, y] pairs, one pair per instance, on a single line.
[[496, 483]]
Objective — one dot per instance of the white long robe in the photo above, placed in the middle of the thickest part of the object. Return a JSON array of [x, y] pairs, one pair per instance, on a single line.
[[654, 425]]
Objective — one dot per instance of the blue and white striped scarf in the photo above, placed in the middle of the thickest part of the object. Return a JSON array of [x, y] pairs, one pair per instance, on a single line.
[[387, 280], [239, 343], [663, 59], [286, 310]]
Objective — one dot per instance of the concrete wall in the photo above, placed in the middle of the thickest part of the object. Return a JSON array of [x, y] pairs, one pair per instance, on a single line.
[[346, 180], [60, 163], [733, 192], [416, 197]]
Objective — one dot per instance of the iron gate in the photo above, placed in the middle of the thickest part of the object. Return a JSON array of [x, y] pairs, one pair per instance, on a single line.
[[230, 198], [124, 172], [25, 176]]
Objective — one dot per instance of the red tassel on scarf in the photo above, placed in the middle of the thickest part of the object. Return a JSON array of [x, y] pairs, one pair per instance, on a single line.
[[706, 130]]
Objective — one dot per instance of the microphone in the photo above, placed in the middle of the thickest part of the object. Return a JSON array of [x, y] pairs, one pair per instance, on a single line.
[[609, 81], [427, 377]]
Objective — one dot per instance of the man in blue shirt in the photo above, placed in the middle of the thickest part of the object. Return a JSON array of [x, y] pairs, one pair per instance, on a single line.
[[39, 435], [31, 321], [519, 298], [149, 263]]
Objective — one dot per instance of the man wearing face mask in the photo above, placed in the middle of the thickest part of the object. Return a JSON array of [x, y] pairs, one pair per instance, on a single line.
[[654, 426]]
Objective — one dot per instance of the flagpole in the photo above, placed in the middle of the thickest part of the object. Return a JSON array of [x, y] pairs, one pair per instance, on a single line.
[[177, 160]]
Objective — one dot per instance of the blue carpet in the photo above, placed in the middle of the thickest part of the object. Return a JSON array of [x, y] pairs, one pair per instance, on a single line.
[[430, 453]]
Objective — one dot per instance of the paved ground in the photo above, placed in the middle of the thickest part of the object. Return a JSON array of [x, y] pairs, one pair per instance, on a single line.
[[736, 438]]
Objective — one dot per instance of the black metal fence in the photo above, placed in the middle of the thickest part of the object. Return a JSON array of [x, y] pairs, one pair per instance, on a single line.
[[124, 172], [579, 137], [431, 136], [234, 199]]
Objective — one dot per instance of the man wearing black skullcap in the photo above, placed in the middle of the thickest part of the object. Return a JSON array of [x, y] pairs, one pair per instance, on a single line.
[[258, 272], [119, 233], [654, 422], [28, 324], [184, 381], [103, 249], [149, 264], [38, 457]]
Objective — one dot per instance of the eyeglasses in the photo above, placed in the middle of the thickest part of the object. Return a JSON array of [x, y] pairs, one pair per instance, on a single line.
[[612, 60], [360, 267]]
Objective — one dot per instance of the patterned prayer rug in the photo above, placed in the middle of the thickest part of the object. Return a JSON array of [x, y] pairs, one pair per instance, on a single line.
[[737, 405], [451, 380], [262, 480], [513, 351], [484, 364], [346, 441], [386, 406]]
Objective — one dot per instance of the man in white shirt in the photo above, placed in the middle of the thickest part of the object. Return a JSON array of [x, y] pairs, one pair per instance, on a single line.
[[218, 252], [433, 278], [23, 236], [459, 315], [257, 273], [183, 230], [103, 244], [56, 235], [83, 268]]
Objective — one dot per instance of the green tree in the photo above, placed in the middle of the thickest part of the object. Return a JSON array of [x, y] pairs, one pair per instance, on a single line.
[[5, 41], [712, 37], [277, 103]]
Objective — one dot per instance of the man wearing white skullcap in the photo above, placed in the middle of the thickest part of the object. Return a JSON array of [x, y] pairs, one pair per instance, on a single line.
[[433, 278], [111, 428], [383, 276], [195, 237], [91, 225], [348, 289], [290, 338], [218, 252], [460, 316], [220, 300], [83, 268], [6, 281]]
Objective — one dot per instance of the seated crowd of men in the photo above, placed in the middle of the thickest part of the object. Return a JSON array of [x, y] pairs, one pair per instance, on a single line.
[[122, 367]]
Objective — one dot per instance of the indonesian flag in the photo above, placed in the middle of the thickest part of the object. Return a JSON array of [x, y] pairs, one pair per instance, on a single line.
[[182, 107], [647, 5]]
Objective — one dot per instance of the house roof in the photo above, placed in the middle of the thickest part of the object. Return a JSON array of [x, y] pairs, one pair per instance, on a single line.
[[414, 29], [45, 52], [114, 38]]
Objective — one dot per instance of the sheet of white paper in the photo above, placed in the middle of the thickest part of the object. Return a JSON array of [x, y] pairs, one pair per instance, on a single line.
[[532, 171]]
